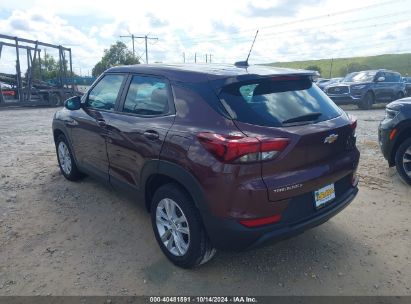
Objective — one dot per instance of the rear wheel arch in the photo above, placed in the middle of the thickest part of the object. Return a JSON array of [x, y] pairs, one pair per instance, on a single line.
[[153, 183], [159, 173]]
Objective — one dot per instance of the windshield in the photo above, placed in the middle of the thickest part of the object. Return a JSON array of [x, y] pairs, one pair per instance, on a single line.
[[366, 76], [277, 102]]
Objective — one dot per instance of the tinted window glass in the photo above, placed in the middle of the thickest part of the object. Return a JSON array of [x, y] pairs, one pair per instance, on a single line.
[[389, 77], [147, 96], [104, 95], [366, 76], [272, 102]]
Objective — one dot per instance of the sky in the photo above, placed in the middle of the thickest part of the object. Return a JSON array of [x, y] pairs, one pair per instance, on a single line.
[[288, 30]]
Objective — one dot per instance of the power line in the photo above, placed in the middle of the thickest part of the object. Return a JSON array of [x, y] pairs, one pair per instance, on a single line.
[[240, 31], [132, 38], [275, 34], [352, 38], [356, 47], [347, 29], [145, 37]]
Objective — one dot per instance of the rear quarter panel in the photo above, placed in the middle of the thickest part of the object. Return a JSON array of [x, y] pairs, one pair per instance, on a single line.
[[231, 190]]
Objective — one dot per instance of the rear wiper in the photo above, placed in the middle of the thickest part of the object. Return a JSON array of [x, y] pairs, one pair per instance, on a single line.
[[306, 117]]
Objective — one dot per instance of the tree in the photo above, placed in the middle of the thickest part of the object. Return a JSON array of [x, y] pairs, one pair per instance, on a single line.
[[117, 54], [314, 68], [50, 68]]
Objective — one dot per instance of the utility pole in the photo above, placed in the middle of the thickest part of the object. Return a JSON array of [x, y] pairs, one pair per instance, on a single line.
[[145, 37], [206, 58], [184, 57], [195, 57], [210, 57], [132, 38], [331, 69]]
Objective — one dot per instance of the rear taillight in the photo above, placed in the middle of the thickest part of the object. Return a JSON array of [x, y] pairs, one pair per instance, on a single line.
[[251, 223], [230, 148], [353, 120]]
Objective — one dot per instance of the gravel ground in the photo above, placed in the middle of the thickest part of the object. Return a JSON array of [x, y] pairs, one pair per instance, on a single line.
[[64, 238]]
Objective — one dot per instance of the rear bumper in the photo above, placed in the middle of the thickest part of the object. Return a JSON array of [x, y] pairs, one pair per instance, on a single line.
[[228, 234]]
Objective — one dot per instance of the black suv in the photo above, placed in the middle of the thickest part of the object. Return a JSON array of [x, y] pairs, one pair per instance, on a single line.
[[367, 87], [395, 137]]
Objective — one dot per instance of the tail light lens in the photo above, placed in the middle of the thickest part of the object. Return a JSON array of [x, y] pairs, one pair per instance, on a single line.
[[230, 148], [353, 120], [251, 223], [352, 138]]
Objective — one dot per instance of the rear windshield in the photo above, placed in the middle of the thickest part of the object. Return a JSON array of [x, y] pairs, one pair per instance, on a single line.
[[277, 102]]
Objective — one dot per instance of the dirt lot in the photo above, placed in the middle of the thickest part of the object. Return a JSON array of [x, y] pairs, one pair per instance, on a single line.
[[64, 238]]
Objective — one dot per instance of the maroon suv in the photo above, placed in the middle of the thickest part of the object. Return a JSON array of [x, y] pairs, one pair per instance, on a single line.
[[223, 157]]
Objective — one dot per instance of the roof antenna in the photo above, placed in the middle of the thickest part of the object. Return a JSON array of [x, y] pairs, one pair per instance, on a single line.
[[245, 63]]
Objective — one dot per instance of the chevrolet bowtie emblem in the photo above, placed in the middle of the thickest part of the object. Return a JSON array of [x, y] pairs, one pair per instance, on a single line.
[[330, 139]]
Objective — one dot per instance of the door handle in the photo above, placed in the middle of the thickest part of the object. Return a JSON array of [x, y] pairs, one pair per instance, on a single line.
[[150, 134], [101, 122]]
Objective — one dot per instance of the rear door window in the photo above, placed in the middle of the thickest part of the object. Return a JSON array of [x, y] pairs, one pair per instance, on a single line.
[[389, 77], [147, 95], [277, 102]]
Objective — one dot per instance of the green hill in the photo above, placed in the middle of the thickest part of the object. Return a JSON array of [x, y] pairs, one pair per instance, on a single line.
[[342, 66]]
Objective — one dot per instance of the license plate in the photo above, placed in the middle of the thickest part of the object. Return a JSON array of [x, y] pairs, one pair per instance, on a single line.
[[324, 195]]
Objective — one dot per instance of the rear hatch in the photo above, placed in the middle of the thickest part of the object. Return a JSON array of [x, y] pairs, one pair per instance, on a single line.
[[321, 147]]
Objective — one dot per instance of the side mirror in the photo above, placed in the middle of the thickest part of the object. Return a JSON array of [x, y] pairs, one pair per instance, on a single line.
[[73, 103], [380, 79]]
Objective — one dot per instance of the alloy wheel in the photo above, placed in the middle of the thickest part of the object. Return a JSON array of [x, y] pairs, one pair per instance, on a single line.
[[64, 157], [406, 161], [172, 226]]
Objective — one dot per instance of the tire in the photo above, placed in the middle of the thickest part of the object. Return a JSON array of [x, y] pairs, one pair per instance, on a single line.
[[401, 156], [367, 101], [195, 247], [400, 95], [66, 161]]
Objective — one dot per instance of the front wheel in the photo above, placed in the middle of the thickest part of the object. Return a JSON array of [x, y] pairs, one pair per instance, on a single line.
[[66, 161], [403, 161], [366, 102], [178, 227]]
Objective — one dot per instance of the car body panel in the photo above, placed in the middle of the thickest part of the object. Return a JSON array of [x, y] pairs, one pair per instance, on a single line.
[[401, 123], [309, 162], [128, 148], [224, 193]]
